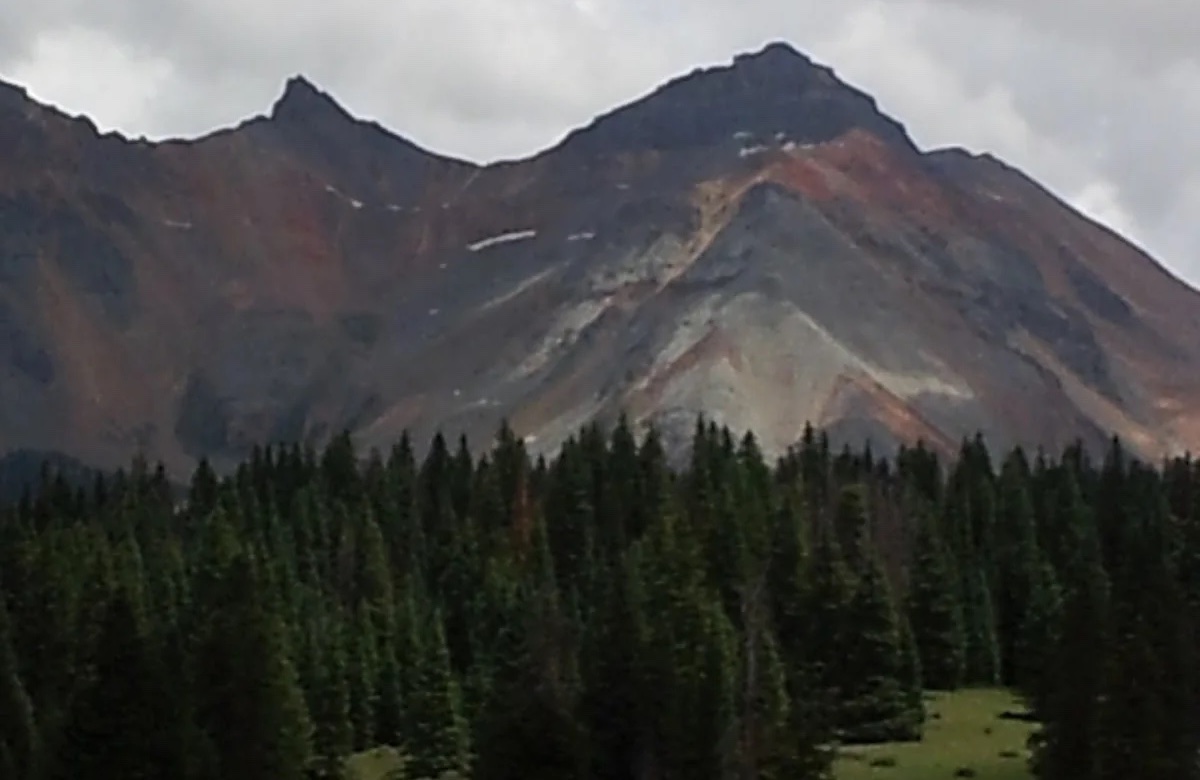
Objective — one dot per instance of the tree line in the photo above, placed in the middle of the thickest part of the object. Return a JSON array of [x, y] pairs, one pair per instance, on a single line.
[[599, 615]]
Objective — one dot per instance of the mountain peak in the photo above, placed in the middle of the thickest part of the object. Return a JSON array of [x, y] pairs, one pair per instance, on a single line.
[[301, 99], [775, 92], [775, 53]]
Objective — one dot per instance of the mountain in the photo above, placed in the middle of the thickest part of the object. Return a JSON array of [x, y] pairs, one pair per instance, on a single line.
[[754, 241]]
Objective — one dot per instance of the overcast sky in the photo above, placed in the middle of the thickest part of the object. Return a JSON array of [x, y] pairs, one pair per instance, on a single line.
[[1097, 99]]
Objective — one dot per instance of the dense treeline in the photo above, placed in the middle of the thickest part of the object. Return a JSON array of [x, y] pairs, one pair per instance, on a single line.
[[598, 616]]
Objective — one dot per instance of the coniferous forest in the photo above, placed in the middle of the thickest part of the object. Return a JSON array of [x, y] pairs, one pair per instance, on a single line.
[[598, 616]]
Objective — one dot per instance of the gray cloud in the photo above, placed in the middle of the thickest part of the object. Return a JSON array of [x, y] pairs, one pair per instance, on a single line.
[[1098, 99]]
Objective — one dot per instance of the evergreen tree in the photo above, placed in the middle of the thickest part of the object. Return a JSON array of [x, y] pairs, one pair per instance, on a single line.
[[935, 612], [982, 655], [329, 699], [250, 708], [602, 614], [19, 739], [438, 739], [1068, 743], [120, 724], [876, 704]]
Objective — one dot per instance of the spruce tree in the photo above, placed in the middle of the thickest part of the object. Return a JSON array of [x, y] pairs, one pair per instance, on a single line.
[[120, 724], [828, 627], [250, 706], [935, 613], [876, 703], [982, 648], [19, 739], [438, 739], [1068, 742], [329, 698]]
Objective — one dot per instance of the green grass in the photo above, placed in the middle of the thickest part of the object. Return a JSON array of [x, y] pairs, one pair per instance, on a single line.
[[967, 735], [377, 764]]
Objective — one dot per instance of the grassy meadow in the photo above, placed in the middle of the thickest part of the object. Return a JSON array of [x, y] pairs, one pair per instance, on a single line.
[[964, 737]]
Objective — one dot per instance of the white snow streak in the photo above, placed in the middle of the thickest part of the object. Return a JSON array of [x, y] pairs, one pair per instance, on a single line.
[[503, 238], [358, 204]]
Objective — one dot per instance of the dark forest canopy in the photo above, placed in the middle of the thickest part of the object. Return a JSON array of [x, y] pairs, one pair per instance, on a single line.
[[600, 615]]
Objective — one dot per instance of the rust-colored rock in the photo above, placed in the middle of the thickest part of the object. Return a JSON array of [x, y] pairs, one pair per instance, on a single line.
[[754, 242]]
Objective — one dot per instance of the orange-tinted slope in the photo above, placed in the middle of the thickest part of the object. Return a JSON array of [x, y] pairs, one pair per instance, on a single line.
[[755, 242]]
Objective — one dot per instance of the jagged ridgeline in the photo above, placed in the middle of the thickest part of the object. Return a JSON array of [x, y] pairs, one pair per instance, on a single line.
[[598, 615], [755, 240]]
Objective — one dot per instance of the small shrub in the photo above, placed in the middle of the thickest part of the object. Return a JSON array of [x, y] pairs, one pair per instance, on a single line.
[[1009, 754], [964, 771], [884, 762], [987, 730]]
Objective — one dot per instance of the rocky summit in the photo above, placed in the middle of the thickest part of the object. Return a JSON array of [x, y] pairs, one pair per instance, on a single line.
[[756, 242]]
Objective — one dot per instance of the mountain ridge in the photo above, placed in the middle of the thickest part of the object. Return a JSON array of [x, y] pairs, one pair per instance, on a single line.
[[299, 85], [782, 254]]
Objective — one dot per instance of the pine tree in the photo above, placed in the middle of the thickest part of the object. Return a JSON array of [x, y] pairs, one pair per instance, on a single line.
[[1068, 743], [363, 676], [1036, 635], [1020, 576], [530, 725], [19, 739], [438, 739], [250, 706], [614, 696], [876, 704], [982, 648], [120, 725], [912, 678], [828, 627], [329, 698], [935, 612]]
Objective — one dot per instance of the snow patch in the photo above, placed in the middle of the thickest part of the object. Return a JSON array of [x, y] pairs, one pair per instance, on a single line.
[[394, 207], [177, 225], [354, 203], [503, 238], [584, 236], [742, 135], [749, 150]]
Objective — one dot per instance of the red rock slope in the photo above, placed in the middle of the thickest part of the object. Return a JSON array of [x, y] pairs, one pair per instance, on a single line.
[[755, 242]]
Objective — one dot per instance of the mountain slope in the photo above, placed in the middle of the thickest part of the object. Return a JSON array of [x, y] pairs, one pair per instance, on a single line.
[[753, 241]]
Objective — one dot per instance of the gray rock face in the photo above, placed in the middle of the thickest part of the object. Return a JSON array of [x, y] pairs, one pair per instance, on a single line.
[[774, 92], [756, 243]]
